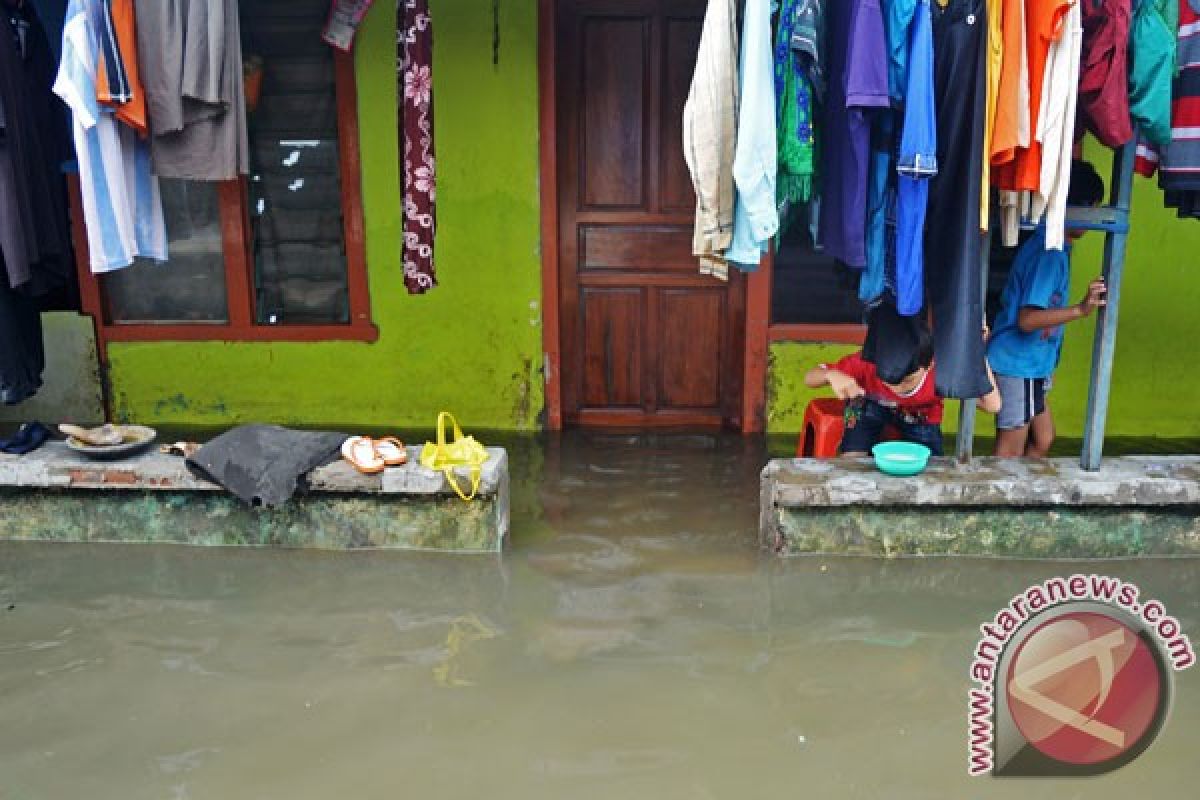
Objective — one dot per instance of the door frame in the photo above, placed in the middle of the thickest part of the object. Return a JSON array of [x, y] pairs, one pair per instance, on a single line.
[[756, 342]]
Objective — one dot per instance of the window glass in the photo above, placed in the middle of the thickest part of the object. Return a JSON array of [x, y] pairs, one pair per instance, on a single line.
[[809, 286], [190, 287], [299, 253]]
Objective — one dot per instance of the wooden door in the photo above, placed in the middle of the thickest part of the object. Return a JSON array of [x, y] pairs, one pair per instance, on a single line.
[[646, 340]]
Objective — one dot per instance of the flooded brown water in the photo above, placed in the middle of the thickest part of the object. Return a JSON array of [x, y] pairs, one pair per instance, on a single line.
[[632, 643]]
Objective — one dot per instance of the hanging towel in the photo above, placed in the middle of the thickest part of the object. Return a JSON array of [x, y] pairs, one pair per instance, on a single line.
[[415, 58], [755, 162], [710, 136], [916, 165], [952, 242]]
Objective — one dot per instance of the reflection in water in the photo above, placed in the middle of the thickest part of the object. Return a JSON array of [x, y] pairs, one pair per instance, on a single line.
[[632, 643]]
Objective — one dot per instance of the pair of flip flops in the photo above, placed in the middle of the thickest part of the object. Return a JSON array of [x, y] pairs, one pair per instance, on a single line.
[[29, 437], [370, 456]]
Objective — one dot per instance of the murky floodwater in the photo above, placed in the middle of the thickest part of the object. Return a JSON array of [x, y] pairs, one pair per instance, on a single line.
[[632, 644]]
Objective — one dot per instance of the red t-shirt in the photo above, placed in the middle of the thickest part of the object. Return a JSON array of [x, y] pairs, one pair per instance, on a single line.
[[924, 403]]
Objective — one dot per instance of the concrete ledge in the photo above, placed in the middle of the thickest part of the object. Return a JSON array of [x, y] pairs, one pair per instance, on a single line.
[[57, 494], [1052, 508]]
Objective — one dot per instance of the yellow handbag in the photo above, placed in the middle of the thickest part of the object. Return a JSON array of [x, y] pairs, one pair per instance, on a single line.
[[464, 451]]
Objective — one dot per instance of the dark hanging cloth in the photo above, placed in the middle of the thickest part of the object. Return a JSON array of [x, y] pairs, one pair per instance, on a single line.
[[21, 356], [53, 14], [263, 465], [414, 58], [952, 238], [34, 234]]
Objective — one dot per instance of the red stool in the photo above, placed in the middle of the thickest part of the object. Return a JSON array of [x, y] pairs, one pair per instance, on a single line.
[[821, 436]]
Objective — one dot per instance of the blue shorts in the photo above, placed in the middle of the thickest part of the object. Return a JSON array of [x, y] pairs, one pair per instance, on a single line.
[[865, 420], [1021, 399]]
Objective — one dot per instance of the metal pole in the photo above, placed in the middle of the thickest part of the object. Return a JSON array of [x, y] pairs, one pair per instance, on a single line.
[[1105, 343], [966, 409]]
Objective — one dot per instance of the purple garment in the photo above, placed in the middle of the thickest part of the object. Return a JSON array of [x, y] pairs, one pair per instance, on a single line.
[[858, 81]]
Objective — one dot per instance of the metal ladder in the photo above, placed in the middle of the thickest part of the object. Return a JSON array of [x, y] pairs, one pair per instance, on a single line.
[[1113, 221]]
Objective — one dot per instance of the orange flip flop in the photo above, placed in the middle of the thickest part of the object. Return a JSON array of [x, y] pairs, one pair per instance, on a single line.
[[360, 451], [391, 450]]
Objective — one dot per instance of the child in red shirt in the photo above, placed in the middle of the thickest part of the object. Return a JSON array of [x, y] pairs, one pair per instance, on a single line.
[[912, 405]]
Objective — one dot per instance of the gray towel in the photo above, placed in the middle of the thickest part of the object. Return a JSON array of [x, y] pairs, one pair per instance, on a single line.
[[264, 464]]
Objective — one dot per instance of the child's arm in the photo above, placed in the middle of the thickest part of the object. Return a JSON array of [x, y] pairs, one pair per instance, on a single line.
[[1031, 319], [991, 401], [844, 386]]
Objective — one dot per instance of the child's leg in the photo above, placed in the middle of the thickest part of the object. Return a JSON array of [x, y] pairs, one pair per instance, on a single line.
[[1016, 412], [863, 426], [1041, 427], [924, 433]]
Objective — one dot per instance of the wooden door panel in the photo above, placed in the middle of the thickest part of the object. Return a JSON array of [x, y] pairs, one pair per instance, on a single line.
[[613, 129], [682, 42], [613, 327], [637, 247], [690, 330], [646, 340]]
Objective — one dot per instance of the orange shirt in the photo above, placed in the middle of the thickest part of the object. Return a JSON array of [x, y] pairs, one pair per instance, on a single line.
[[1009, 94], [132, 113], [1043, 25]]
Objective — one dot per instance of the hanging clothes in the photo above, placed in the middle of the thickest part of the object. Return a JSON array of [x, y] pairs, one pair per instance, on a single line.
[[415, 58], [1178, 163], [1011, 123], [1103, 75], [191, 66], [916, 166], [1043, 20], [995, 65], [795, 134], [755, 163], [953, 246], [710, 135], [808, 37], [897, 18], [877, 277], [121, 202], [1056, 128], [1152, 45], [35, 248], [858, 83], [22, 357], [129, 103]]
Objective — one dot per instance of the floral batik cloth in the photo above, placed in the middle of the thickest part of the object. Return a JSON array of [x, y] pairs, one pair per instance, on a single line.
[[414, 67]]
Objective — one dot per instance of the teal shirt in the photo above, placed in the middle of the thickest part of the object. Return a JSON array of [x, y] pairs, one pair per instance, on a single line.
[[1039, 278]]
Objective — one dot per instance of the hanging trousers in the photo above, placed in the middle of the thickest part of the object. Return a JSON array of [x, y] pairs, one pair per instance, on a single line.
[[953, 242]]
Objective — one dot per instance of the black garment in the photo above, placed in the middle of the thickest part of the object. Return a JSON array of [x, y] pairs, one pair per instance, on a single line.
[[21, 356], [953, 242], [34, 235], [891, 343], [263, 464]]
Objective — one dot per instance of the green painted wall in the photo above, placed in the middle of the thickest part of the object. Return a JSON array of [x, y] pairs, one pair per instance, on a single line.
[[1155, 391], [472, 345]]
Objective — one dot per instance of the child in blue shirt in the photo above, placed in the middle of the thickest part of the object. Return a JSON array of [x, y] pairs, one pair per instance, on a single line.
[[1026, 342]]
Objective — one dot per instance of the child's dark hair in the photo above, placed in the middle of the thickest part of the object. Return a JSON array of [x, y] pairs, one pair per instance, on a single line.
[[922, 349], [1086, 188]]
